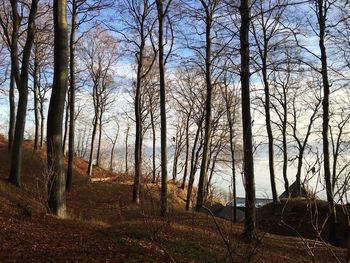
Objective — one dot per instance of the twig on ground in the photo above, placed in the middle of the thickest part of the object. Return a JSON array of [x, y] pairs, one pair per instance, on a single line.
[[221, 234]]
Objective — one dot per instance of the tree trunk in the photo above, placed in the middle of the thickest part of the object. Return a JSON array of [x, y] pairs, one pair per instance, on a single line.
[[72, 98], [66, 125], [203, 177], [321, 16], [285, 147], [22, 86], [126, 149], [92, 148], [36, 100], [299, 167], [194, 159], [42, 123], [176, 154], [233, 160], [269, 130], [112, 150], [86, 143], [12, 120], [138, 120], [212, 169], [187, 151], [153, 148], [163, 120], [98, 156], [248, 166], [57, 179]]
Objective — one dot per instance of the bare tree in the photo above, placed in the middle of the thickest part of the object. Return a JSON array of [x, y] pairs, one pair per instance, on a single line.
[[113, 141], [21, 79], [301, 135], [184, 97], [127, 148], [57, 179], [99, 54], [248, 168], [10, 35], [209, 8], [190, 98], [162, 11], [268, 34], [138, 23], [205, 41], [230, 96], [321, 8], [42, 59], [151, 103], [178, 142], [282, 83], [82, 11]]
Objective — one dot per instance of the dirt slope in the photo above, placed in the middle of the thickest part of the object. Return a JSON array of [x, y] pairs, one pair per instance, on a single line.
[[104, 225]]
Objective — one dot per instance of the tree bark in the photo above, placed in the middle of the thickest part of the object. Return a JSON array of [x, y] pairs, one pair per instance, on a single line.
[[187, 151], [193, 169], [114, 142], [36, 100], [203, 177], [229, 116], [92, 148], [284, 141], [42, 123], [212, 168], [269, 129], [12, 121], [163, 119], [302, 145], [138, 122], [98, 156], [322, 17], [66, 125], [72, 97], [126, 149], [177, 151], [57, 179], [248, 166], [22, 86], [153, 147]]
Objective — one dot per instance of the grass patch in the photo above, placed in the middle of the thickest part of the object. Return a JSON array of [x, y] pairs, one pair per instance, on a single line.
[[138, 234], [193, 252]]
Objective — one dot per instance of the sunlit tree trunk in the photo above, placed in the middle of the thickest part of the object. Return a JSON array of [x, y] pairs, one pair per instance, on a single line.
[[98, 155], [163, 119], [114, 142], [12, 105], [193, 168], [66, 125], [153, 147], [203, 177], [187, 151], [92, 147], [72, 97], [138, 122], [42, 123], [57, 179], [36, 99], [22, 86]]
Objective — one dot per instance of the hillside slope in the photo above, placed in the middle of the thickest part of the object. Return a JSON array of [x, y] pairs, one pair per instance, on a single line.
[[104, 225]]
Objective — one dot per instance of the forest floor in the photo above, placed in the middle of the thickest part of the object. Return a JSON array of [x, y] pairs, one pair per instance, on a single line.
[[105, 226]]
